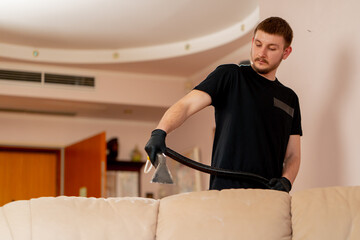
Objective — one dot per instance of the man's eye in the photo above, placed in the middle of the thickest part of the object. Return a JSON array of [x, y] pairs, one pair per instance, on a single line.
[[272, 49]]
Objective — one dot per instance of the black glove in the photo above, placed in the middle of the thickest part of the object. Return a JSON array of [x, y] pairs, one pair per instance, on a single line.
[[281, 184], [155, 145]]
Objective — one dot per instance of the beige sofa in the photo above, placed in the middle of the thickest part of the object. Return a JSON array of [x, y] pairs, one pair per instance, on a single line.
[[328, 213]]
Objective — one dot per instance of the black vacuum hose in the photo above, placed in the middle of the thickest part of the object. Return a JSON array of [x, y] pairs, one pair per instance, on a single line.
[[215, 171]]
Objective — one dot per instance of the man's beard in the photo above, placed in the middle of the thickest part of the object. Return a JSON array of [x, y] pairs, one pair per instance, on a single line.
[[265, 70]]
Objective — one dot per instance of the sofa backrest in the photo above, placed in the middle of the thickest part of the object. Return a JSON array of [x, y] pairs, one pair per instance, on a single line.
[[228, 214], [76, 218], [15, 221], [326, 213]]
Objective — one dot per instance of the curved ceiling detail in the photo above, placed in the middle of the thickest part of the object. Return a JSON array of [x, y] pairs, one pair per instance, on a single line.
[[147, 50]]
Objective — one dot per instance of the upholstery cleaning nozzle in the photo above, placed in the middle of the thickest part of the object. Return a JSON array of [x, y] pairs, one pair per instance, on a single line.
[[162, 173]]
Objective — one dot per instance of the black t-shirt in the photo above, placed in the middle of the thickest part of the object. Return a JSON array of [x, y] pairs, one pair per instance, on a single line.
[[254, 120]]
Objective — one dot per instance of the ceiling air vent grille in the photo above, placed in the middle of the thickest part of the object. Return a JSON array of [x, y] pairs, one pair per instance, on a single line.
[[33, 111], [20, 76], [69, 80]]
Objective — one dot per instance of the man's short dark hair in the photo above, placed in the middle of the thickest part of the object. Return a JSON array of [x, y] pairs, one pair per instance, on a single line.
[[276, 26]]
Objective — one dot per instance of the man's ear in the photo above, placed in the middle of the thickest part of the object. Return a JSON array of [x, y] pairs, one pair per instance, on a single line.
[[287, 52]]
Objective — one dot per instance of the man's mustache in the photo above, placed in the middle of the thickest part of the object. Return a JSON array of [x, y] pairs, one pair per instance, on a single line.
[[262, 60]]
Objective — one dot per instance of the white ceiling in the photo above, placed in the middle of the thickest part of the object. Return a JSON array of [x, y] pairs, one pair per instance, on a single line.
[[119, 34], [161, 37], [112, 24]]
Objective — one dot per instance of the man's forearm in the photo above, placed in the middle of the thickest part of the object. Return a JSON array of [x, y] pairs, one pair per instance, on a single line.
[[183, 109], [291, 168], [292, 158], [173, 118]]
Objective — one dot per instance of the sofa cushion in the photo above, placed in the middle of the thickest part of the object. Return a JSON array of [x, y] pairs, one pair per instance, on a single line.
[[326, 213], [76, 218], [227, 214]]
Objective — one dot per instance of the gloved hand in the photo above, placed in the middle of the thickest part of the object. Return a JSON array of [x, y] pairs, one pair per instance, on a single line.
[[155, 145], [281, 184]]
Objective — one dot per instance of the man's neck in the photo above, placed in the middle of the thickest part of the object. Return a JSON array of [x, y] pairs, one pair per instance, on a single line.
[[271, 76]]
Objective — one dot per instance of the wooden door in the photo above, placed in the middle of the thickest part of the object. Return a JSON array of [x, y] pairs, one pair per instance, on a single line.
[[85, 167], [28, 173]]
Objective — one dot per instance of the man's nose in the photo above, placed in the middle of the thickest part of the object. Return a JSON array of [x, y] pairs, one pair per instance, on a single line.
[[262, 52]]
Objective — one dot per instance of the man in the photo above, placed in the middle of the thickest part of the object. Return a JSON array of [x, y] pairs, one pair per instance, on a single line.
[[258, 123]]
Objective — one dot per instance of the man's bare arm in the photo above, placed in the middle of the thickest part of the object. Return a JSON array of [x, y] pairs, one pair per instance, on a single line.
[[176, 115], [292, 158]]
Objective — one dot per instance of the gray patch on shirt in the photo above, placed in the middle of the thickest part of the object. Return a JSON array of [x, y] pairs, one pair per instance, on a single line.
[[283, 106]]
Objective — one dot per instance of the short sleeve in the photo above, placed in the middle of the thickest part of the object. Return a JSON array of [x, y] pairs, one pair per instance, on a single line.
[[217, 82]]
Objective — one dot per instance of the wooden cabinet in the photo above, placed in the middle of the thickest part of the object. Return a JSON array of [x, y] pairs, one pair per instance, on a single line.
[[118, 173]]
